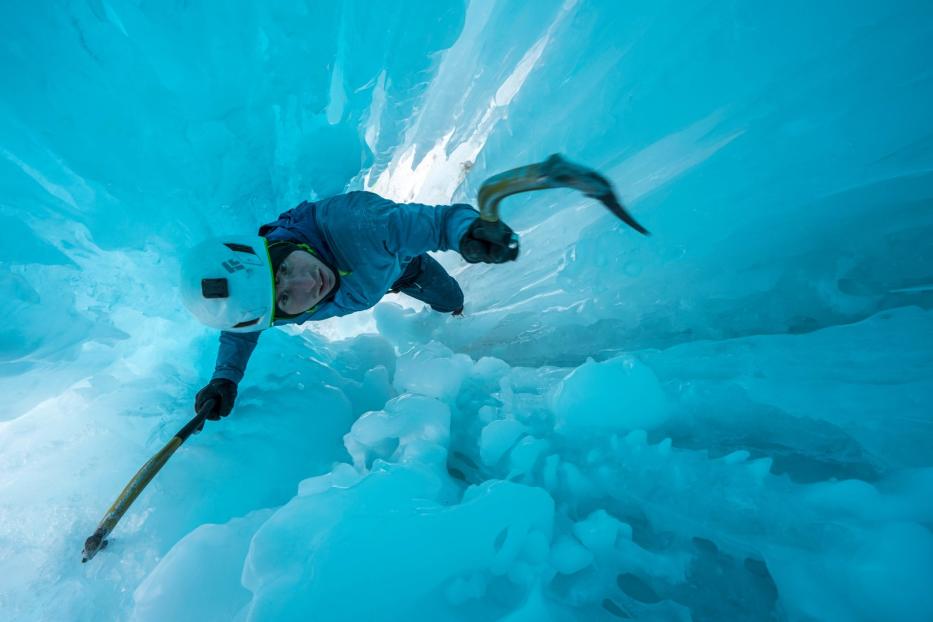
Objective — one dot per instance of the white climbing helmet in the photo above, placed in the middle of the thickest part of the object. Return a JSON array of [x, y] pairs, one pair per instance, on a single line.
[[227, 283]]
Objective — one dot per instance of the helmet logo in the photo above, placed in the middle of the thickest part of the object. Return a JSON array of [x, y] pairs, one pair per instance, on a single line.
[[232, 265]]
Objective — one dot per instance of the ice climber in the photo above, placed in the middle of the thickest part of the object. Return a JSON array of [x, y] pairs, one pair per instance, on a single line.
[[323, 259]]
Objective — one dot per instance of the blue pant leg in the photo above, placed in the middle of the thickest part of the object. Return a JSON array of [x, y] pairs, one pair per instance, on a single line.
[[432, 284]]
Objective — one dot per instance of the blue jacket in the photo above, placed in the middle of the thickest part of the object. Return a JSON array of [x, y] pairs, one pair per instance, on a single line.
[[369, 239]]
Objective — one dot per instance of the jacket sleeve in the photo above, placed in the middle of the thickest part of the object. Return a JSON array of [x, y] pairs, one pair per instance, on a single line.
[[235, 350], [413, 229]]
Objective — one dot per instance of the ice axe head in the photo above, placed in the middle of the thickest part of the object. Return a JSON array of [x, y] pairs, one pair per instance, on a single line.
[[555, 172]]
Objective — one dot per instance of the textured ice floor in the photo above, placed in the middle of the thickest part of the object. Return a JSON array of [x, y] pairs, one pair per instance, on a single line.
[[729, 420]]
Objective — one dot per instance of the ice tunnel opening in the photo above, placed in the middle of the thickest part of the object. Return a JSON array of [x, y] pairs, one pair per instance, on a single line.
[[726, 420]]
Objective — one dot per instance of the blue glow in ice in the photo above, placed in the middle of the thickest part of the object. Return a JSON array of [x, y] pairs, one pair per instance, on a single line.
[[729, 420]]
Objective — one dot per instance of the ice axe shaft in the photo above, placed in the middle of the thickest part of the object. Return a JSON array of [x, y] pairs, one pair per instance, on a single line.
[[555, 172], [135, 486]]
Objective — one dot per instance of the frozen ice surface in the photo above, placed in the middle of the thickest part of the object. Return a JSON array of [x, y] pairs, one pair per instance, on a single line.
[[729, 420], [617, 395]]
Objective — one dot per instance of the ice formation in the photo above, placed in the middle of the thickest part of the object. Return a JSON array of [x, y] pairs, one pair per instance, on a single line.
[[729, 420]]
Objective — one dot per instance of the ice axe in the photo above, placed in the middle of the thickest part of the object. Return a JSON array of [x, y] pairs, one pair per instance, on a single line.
[[555, 172], [98, 540]]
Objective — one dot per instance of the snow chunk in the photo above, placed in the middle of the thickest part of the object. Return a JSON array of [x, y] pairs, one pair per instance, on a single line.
[[342, 476], [434, 371], [599, 531], [181, 574], [885, 576], [383, 550], [412, 427], [498, 437], [616, 395], [490, 368], [525, 455], [569, 556]]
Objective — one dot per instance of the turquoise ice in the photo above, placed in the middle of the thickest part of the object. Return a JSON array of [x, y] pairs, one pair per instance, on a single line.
[[729, 420]]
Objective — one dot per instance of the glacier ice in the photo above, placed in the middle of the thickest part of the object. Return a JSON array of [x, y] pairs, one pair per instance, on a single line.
[[727, 420], [581, 402]]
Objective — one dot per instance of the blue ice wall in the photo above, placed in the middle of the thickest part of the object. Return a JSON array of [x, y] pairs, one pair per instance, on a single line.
[[727, 420]]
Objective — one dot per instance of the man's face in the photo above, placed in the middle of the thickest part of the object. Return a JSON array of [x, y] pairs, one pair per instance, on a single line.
[[301, 282]]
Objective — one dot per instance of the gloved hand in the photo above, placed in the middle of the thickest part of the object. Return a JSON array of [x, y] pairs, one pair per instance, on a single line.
[[223, 392], [489, 242]]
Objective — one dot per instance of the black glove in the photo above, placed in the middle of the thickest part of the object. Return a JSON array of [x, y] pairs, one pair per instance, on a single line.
[[222, 392], [489, 242]]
